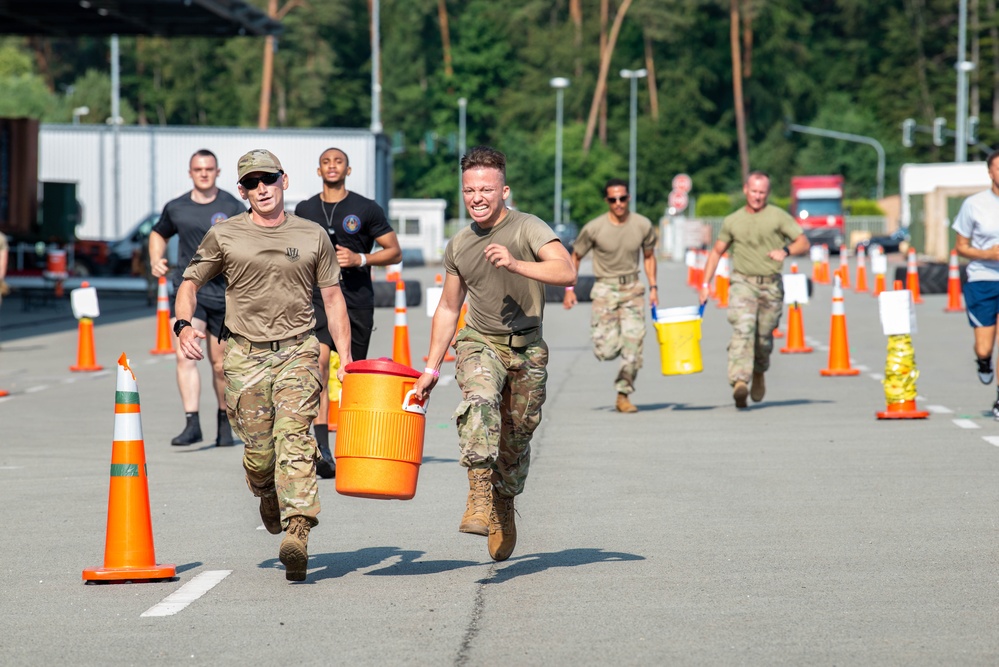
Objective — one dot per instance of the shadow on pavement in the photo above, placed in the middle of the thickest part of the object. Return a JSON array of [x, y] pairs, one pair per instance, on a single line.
[[336, 565], [534, 563]]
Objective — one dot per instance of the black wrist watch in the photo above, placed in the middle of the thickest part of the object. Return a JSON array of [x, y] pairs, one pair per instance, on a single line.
[[179, 325]]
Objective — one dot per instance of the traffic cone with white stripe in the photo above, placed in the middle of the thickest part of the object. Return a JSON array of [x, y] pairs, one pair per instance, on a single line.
[[400, 339], [722, 281], [128, 548], [164, 337], [879, 276], [953, 285], [839, 347], [861, 270], [795, 328], [912, 276], [844, 266]]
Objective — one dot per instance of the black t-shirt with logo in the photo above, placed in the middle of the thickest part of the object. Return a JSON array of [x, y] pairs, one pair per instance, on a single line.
[[191, 221], [354, 223]]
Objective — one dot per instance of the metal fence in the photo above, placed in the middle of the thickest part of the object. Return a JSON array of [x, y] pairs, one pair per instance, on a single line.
[[874, 224]]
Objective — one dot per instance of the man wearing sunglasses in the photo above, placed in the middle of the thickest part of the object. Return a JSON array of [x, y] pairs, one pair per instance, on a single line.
[[618, 239], [271, 260], [189, 217], [761, 236]]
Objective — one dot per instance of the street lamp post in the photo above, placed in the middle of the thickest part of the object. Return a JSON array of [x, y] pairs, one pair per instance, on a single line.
[[462, 110], [634, 75], [559, 83]]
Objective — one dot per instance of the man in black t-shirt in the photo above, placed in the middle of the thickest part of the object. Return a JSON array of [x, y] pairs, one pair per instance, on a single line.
[[355, 224], [190, 216]]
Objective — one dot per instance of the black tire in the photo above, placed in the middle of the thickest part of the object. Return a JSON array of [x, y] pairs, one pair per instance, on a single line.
[[385, 294], [584, 285], [932, 277]]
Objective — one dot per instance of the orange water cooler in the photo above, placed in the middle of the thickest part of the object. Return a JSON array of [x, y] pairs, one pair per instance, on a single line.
[[379, 444]]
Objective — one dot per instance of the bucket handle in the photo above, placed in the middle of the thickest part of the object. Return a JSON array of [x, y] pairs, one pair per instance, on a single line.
[[417, 407]]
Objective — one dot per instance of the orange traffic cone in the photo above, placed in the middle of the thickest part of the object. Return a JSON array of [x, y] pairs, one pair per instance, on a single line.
[[844, 266], [912, 276], [953, 285], [400, 340], [128, 547], [164, 337], [85, 357], [4, 393], [722, 281], [817, 266], [861, 270], [839, 347], [795, 328], [877, 256], [690, 258]]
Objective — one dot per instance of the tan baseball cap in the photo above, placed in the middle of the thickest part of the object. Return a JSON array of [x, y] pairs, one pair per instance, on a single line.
[[257, 160]]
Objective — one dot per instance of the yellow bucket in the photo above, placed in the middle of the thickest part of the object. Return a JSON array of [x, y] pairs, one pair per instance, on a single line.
[[679, 333]]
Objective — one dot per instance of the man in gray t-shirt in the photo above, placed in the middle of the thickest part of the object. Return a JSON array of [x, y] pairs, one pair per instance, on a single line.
[[977, 227]]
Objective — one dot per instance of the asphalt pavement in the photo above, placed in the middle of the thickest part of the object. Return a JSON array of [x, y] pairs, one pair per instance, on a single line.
[[801, 531]]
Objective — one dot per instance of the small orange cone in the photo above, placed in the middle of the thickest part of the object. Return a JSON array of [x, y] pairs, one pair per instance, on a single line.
[[722, 281], [85, 357], [839, 347], [861, 270], [690, 258], [4, 393], [844, 266], [879, 277], [400, 339], [795, 328], [164, 337], [128, 546], [953, 285], [912, 276]]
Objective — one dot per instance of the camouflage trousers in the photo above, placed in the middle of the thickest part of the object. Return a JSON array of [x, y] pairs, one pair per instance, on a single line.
[[271, 398], [502, 390], [617, 327], [754, 311]]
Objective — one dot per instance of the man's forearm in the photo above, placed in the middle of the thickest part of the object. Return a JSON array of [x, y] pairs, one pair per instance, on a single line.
[[186, 301]]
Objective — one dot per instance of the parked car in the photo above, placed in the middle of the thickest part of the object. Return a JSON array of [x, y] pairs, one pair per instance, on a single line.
[[891, 243], [567, 233]]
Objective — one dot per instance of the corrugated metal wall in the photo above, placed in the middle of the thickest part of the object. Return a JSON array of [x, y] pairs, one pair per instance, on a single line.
[[154, 160]]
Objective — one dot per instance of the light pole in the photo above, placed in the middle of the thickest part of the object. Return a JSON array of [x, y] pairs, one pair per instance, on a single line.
[[559, 83], [634, 75], [462, 110], [79, 111], [963, 68]]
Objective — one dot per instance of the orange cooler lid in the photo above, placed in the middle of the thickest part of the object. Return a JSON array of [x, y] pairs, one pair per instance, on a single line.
[[383, 366]]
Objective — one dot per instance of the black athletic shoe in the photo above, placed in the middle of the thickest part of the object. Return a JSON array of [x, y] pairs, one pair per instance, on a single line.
[[225, 438], [325, 463], [189, 436], [985, 372], [995, 409]]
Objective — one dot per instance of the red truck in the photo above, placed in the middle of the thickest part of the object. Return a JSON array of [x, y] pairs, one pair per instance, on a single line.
[[817, 205]]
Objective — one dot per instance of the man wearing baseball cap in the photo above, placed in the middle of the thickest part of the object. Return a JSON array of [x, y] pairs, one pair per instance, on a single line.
[[271, 260]]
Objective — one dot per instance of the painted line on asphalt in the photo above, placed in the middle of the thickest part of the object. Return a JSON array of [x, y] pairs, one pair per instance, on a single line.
[[186, 594], [32, 390], [939, 410], [991, 439], [965, 423], [861, 368], [876, 376], [11, 467]]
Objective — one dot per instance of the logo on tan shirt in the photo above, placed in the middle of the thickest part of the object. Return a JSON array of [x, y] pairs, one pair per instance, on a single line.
[[291, 254]]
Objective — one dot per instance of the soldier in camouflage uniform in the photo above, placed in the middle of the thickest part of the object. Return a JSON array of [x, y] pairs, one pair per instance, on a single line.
[[617, 321], [271, 260], [500, 262], [760, 236]]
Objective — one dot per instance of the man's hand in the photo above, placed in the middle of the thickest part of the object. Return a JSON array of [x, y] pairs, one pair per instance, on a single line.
[[500, 257], [424, 386], [340, 372], [778, 255], [703, 293], [653, 297], [190, 343], [159, 267], [347, 258], [569, 300]]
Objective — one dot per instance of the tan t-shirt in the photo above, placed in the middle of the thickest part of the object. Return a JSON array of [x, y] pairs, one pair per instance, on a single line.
[[500, 302], [617, 248], [753, 235], [270, 272]]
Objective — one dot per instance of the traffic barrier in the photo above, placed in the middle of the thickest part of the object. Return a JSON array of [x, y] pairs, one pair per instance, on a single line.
[[722, 280], [912, 276], [400, 338], [844, 266], [839, 346], [953, 285], [861, 270], [898, 321], [795, 328], [164, 337], [128, 547]]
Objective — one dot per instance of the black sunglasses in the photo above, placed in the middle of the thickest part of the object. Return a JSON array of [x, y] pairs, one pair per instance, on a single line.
[[615, 200], [251, 182]]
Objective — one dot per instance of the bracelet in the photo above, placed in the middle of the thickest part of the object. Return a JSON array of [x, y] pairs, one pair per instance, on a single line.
[[786, 251], [433, 371], [655, 287], [570, 288], [364, 259], [705, 284]]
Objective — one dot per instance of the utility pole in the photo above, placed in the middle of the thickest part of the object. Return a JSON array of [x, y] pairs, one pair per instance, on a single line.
[[857, 138], [963, 67]]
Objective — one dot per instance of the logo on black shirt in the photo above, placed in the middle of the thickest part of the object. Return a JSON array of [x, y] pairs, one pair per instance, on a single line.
[[352, 224], [291, 254], [219, 217]]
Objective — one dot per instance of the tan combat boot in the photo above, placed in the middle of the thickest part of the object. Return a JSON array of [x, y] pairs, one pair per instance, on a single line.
[[502, 528], [270, 513], [624, 405], [480, 499], [739, 393], [759, 388], [294, 551]]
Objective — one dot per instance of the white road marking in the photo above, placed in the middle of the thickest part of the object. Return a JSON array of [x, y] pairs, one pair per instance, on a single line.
[[186, 594], [32, 390], [862, 369], [992, 439], [876, 376], [11, 467], [939, 410], [965, 423]]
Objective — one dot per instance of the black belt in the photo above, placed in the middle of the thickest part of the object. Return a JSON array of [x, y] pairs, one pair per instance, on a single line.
[[620, 280], [759, 280], [273, 345], [521, 338]]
